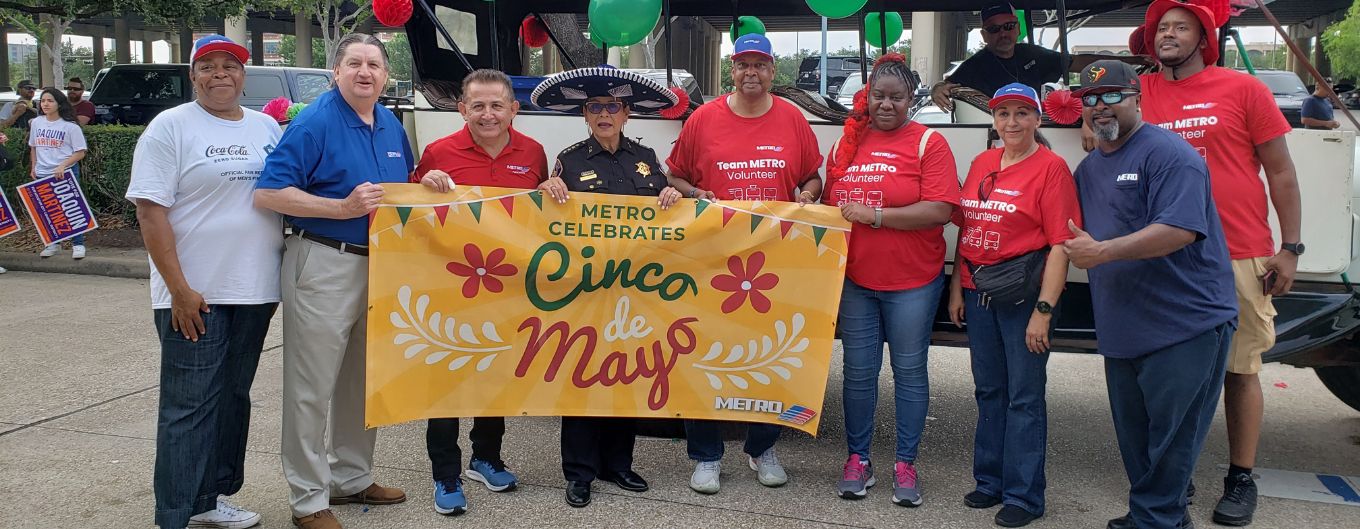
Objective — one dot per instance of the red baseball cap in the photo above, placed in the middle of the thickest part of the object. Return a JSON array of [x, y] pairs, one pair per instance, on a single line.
[[215, 43], [1159, 8]]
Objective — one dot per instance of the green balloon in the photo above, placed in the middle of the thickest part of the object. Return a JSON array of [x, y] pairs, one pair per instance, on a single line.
[[623, 22], [747, 25], [874, 37], [836, 8], [594, 37]]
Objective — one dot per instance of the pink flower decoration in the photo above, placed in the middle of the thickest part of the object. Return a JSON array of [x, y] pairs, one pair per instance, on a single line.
[[482, 272], [745, 283], [277, 109]]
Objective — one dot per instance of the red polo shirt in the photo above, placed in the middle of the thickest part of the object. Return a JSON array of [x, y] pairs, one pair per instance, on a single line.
[[522, 164]]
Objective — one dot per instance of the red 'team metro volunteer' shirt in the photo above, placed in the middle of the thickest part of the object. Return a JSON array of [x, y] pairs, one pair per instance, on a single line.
[[1027, 209], [521, 164], [1224, 115], [739, 158], [885, 173]]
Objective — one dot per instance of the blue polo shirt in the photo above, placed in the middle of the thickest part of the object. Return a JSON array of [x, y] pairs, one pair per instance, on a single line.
[[328, 151], [1319, 108], [1146, 305]]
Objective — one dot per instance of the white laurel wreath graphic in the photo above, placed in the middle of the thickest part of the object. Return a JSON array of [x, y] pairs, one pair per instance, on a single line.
[[757, 360], [438, 336]]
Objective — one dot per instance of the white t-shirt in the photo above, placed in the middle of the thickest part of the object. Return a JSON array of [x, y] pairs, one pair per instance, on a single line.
[[54, 142], [204, 169]]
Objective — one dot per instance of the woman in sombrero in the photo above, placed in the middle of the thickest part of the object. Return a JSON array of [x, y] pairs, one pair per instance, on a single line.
[[606, 162]]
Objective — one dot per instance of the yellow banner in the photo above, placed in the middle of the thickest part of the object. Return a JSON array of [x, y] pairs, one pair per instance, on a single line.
[[501, 302]]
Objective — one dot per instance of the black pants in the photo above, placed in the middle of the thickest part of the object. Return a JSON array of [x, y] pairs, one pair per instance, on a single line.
[[591, 445], [441, 441]]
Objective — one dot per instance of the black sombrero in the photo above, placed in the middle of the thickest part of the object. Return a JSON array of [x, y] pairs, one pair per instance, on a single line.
[[567, 91]]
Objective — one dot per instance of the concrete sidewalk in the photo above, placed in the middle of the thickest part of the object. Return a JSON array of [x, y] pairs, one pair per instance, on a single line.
[[78, 398], [111, 262]]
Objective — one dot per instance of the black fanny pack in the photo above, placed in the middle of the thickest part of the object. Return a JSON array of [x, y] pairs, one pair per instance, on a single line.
[[1011, 282]]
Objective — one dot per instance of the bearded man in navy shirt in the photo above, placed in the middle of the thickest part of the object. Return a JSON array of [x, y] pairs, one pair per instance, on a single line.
[[1161, 289]]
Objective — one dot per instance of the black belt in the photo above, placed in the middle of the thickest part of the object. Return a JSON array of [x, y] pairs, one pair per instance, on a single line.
[[342, 246]]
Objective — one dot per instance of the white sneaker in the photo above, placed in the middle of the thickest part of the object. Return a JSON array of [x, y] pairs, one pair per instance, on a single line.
[[2, 270], [768, 470], [226, 516], [705, 478], [78, 251], [49, 251]]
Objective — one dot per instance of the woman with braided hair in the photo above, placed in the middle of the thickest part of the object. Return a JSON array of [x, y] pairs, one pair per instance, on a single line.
[[896, 181]]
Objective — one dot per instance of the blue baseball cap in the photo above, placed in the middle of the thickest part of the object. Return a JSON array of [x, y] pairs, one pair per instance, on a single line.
[[215, 43], [1016, 92], [753, 43]]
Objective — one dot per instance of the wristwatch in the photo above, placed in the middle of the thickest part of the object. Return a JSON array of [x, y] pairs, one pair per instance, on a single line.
[[878, 218], [1294, 247], [1043, 307]]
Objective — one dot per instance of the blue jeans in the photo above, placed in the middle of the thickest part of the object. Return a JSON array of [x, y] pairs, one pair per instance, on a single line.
[[205, 409], [1163, 405], [1012, 427], [704, 440], [904, 318]]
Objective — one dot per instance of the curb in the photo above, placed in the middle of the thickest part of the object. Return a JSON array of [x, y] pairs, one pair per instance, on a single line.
[[121, 266]]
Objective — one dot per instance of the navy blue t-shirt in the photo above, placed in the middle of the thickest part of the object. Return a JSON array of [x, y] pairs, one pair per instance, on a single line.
[[1142, 306], [328, 151], [1319, 108]]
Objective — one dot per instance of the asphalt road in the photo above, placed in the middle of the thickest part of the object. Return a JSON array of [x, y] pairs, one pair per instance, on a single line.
[[78, 392]]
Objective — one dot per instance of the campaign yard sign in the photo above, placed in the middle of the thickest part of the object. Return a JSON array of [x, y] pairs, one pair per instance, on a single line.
[[9, 223], [58, 207]]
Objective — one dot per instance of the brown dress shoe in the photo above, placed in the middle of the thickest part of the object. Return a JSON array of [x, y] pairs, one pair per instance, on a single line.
[[375, 494], [323, 519]]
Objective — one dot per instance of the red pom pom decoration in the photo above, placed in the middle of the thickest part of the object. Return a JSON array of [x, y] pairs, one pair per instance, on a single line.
[[277, 109], [392, 13], [680, 108], [1062, 107], [534, 32]]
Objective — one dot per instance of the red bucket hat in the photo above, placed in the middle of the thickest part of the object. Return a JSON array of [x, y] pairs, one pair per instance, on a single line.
[[1204, 13]]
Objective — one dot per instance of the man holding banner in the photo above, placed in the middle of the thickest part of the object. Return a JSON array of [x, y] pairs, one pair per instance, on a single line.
[[326, 177], [486, 152], [748, 145], [608, 163]]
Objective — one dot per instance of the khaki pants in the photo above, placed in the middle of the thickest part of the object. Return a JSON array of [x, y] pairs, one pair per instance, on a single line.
[[325, 304], [1255, 317]]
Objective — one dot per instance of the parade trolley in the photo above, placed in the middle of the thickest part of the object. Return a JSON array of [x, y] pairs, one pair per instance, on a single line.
[[1318, 325]]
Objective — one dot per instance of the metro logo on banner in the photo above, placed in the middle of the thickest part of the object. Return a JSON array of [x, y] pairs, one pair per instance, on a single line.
[[495, 302], [58, 207], [9, 222]]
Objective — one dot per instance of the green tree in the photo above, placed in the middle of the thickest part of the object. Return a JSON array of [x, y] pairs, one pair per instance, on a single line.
[[336, 17], [399, 56], [1341, 41], [288, 51]]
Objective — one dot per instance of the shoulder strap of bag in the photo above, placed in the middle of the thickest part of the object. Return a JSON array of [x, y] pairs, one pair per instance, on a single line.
[[925, 138]]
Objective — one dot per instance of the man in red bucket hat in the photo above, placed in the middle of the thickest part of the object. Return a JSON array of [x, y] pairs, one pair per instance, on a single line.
[[1232, 120]]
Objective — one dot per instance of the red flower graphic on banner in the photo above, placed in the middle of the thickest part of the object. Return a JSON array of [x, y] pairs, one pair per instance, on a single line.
[[482, 272], [745, 282]]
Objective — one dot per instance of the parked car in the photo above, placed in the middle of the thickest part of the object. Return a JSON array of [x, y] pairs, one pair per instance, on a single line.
[[1289, 93], [132, 94], [837, 68]]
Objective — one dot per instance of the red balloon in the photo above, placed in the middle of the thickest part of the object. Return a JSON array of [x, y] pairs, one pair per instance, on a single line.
[[392, 13]]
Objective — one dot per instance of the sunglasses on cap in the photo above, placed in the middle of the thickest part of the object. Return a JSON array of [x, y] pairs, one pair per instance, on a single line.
[[998, 28], [1110, 98], [600, 108]]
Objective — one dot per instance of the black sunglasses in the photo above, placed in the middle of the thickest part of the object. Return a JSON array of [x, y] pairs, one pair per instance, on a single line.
[[998, 28], [75, 89], [1110, 98], [987, 185], [600, 108]]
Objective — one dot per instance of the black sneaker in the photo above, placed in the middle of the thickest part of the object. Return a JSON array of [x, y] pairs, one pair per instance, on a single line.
[[1238, 503], [1126, 522], [980, 500], [1013, 516], [1190, 493]]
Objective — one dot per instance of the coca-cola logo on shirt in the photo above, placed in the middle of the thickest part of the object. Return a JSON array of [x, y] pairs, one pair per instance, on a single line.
[[214, 151]]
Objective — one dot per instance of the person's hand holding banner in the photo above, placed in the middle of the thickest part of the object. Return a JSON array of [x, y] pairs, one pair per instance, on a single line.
[[501, 302]]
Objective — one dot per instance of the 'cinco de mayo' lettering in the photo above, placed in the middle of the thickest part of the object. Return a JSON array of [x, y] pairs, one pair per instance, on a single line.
[[669, 287], [614, 369]]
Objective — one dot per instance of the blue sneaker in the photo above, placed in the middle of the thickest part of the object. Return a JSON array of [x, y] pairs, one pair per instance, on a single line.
[[449, 498], [496, 477]]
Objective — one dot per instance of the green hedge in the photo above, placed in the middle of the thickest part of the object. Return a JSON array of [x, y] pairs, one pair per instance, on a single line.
[[105, 172]]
